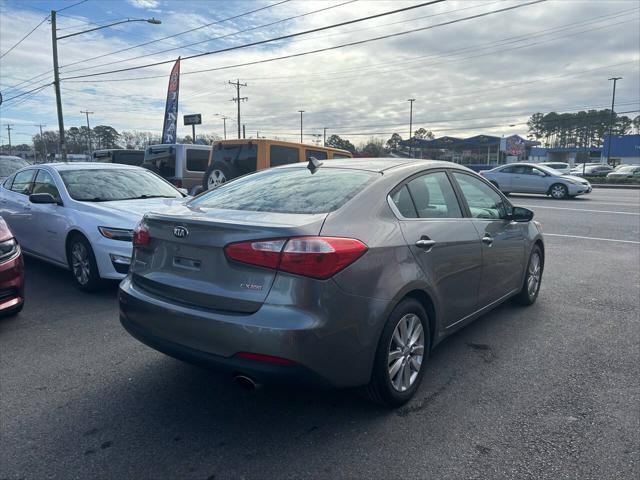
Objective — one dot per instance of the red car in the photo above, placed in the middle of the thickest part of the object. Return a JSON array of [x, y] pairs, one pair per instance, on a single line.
[[11, 272]]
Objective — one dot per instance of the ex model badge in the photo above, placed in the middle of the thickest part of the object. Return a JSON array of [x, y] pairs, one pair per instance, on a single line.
[[180, 232]]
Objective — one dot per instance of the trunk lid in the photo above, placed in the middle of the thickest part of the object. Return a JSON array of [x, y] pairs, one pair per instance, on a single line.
[[193, 269]]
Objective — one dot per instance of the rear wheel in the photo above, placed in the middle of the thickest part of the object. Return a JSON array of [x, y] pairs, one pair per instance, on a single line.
[[218, 174], [83, 265], [403, 347], [558, 191], [532, 279]]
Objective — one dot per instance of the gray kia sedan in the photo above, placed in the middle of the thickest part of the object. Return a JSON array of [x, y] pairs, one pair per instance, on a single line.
[[344, 274]]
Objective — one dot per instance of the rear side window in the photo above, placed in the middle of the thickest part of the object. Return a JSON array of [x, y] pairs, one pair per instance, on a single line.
[[22, 182], [403, 203], [433, 196], [197, 160], [289, 190], [282, 155], [317, 154]]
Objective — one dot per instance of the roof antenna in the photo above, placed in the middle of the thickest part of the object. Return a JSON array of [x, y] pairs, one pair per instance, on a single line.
[[313, 165]]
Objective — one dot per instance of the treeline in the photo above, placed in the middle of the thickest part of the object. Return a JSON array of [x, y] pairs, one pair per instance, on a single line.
[[580, 129], [375, 147]]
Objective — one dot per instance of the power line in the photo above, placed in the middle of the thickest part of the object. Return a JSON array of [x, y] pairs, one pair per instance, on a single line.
[[292, 35], [71, 6], [27, 92], [179, 33], [25, 37], [209, 39]]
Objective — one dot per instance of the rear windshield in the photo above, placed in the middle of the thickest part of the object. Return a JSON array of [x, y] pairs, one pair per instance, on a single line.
[[96, 185], [288, 190]]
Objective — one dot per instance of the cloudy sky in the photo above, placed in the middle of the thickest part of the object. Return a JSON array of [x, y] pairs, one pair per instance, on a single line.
[[482, 75]]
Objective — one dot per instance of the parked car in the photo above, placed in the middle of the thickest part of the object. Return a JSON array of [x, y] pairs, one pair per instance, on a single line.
[[345, 275], [233, 158], [536, 178], [10, 164], [123, 156], [561, 167], [181, 164], [81, 215], [627, 171], [11, 273], [599, 170]]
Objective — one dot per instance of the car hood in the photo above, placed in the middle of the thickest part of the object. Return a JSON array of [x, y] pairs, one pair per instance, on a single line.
[[573, 177]]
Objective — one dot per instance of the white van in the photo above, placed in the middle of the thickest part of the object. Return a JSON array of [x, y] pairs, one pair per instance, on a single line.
[[181, 164]]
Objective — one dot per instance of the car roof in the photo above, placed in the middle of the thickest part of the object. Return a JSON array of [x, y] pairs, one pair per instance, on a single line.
[[378, 165], [61, 166]]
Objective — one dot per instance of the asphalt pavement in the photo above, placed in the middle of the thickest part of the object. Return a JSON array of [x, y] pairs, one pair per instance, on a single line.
[[545, 392]]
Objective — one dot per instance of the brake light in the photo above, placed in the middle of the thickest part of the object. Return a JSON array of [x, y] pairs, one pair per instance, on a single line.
[[141, 237], [316, 257]]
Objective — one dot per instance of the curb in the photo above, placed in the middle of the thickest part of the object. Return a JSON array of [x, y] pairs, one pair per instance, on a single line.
[[613, 185]]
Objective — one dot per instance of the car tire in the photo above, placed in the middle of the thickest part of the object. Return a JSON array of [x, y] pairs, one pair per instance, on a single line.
[[395, 389], [532, 279], [217, 174], [558, 191], [83, 265]]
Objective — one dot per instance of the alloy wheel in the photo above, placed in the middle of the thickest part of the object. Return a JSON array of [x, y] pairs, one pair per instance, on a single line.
[[558, 191], [534, 273], [406, 351], [216, 178], [80, 263]]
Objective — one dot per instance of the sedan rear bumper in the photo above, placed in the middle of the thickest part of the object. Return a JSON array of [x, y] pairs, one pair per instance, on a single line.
[[330, 340]]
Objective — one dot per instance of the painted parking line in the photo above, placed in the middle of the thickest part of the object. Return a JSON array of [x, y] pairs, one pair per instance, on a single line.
[[591, 238], [581, 210]]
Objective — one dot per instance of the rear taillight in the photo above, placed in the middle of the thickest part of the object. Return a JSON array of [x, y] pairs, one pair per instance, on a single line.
[[141, 237], [317, 257], [260, 357]]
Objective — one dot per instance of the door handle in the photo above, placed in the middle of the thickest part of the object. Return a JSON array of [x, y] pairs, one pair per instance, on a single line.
[[487, 240], [426, 244]]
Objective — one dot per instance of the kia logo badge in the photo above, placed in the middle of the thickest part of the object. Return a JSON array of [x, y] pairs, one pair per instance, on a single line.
[[180, 232]]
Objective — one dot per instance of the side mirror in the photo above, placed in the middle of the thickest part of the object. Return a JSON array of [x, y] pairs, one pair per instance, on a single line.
[[520, 214], [43, 198]]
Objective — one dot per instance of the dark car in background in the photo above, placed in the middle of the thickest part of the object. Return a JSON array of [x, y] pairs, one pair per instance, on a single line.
[[11, 272], [342, 275], [122, 156]]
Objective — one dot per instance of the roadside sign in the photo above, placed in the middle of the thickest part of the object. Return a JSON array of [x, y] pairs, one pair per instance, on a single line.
[[195, 119]]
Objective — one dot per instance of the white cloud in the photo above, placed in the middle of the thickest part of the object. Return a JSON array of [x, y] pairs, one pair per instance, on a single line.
[[144, 3]]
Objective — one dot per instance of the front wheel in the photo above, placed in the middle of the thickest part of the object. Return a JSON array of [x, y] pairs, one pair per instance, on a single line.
[[532, 279], [83, 265], [402, 350], [559, 191]]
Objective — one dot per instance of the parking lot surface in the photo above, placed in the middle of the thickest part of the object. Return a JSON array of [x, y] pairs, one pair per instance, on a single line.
[[550, 391]]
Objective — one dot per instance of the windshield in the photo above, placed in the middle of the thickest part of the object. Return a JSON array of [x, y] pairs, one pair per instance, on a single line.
[[289, 190], [104, 185], [10, 165]]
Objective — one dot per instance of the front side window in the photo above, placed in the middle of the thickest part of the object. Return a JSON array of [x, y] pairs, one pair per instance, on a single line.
[[22, 182], [433, 196], [44, 183], [288, 190], [104, 185], [483, 201], [197, 160], [280, 155]]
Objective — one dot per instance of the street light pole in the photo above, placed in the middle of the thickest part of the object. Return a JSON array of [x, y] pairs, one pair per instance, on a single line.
[[56, 68], [410, 100], [301, 112], [613, 102], [88, 128]]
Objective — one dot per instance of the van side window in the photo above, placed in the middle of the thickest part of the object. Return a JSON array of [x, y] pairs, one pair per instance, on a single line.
[[280, 155], [197, 160], [317, 154]]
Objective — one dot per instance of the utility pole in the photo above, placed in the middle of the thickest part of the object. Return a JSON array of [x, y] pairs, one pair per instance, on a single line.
[[411, 100], [224, 124], [56, 85], [301, 112], [324, 137], [87, 113], [9, 133], [613, 102], [244, 131], [44, 143], [238, 99]]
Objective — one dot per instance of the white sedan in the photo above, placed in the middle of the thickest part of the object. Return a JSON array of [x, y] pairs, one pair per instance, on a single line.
[[81, 216]]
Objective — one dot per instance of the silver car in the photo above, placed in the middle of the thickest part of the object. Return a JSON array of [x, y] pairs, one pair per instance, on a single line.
[[345, 274], [536, 178]]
